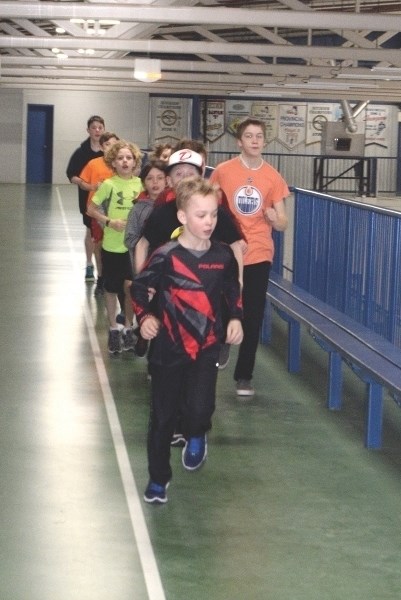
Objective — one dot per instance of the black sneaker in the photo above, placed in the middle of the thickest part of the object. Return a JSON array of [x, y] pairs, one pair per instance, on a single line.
[[120, 318], [195, 452], [114, 343], [99, 289], [224, 356], [178, 440], [155, 493], [128, 339]]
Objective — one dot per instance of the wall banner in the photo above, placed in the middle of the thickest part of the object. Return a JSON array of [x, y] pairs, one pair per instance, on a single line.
[[215, 119], [237, 111], [318, 114], [169, 119], [268, 113], [376, 129], [292, 124]]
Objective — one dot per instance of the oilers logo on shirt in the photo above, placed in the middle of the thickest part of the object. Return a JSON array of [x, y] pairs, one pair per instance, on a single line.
[[247, 200]]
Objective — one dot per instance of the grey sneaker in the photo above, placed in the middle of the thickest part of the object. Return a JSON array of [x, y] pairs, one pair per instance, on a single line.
[[89, 273], [114, 343], [128, 339], [224, 356], [244, 388]]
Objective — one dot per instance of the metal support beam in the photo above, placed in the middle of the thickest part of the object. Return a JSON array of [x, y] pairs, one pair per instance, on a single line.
[[202, 16]]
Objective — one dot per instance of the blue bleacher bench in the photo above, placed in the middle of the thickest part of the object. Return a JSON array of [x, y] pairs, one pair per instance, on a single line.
[[374, 359]]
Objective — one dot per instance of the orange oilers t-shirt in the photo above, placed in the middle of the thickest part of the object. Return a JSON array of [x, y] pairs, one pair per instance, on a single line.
[[95, 171], [249, 193]]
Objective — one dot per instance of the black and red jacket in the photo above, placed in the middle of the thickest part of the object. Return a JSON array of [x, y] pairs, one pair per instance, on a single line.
[[189, 288]]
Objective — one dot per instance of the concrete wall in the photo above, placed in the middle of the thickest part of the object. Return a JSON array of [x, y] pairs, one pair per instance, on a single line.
[[11, 135], [125, 113]]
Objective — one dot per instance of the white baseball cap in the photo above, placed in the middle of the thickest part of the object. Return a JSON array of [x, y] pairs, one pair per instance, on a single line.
[[185, 156]]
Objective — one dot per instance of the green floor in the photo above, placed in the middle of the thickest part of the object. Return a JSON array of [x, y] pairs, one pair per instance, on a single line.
[[289, 505]]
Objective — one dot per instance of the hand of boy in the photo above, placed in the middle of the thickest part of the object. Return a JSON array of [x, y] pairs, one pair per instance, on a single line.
[[271, 216], [118, 224], [150, 327], [234, 332]]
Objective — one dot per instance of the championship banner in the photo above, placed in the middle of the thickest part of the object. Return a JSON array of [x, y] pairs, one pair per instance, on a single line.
[[376, 128], [318, 114], [292, 124], [214, 118], [237, 111], [268, 114], [169, 119]]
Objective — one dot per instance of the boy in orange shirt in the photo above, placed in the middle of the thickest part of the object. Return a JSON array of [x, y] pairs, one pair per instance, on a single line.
[[91, 176], [255, 193]]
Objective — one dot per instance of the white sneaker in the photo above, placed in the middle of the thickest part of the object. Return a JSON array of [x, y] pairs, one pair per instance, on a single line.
[[244, 388]]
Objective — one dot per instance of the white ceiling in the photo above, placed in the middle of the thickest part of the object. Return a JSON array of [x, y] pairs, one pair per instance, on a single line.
[[341, 49]]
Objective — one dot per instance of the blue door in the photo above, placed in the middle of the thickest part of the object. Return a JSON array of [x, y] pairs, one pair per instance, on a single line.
[[39, 146]]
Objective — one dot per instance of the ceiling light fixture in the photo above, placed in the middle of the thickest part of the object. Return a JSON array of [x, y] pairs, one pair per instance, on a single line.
[[93, 27], [330, 85], [59, 54], [261, 93], [316, 84], [109, 22], [386, 69], [147, 70], [370, 76], [86, 51]]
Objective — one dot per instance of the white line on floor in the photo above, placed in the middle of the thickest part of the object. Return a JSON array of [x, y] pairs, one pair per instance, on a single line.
[[148, 561]]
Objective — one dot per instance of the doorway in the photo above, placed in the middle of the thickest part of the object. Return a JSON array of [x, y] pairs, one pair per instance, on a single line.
[[39, 144]]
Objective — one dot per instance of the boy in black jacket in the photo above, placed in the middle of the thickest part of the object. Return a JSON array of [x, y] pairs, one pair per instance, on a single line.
[[189, 276], [88, 150]]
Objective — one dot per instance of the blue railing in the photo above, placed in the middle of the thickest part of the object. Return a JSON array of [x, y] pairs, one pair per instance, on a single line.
[[348, 254], [278, 258]]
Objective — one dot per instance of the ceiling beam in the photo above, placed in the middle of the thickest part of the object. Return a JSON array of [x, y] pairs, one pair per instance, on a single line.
[[178, 65], [199, 88], [202, 16], [187, 66], [202, 47]]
